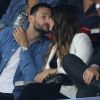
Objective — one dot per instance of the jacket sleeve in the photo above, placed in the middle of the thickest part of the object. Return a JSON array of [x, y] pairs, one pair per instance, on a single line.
[[33, 61], [30, 66]]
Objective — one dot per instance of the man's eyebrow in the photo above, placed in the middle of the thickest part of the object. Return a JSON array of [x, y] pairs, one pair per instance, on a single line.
[[45, 13]]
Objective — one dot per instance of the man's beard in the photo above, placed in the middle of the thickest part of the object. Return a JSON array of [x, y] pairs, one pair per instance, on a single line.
[[41, 31]]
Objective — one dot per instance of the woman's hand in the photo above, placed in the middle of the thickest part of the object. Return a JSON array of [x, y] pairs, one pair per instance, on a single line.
[[41, 76]]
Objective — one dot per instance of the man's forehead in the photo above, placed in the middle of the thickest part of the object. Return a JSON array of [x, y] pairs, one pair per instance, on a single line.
[[44, 10]]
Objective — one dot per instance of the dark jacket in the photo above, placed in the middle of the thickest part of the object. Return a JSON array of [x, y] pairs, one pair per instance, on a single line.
[[96, 57]]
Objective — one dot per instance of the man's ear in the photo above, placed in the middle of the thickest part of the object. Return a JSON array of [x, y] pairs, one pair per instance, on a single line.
[[31, 19]]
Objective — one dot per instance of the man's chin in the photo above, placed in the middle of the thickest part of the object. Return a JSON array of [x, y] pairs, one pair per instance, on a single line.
[[43, 31]]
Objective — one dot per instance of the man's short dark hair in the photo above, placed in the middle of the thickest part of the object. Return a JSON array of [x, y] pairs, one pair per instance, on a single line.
[[35, 8]]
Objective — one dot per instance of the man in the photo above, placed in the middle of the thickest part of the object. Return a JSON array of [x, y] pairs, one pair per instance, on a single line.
[[22, 53]]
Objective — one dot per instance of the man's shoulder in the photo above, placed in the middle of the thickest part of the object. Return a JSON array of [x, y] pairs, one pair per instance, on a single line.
[[8, 29]]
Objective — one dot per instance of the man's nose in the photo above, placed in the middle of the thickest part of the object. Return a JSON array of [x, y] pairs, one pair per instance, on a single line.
[[47, 20]]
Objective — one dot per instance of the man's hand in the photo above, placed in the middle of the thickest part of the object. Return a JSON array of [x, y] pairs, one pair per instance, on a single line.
[[89, 74], [96, 72], [20, 37], [41, 76]]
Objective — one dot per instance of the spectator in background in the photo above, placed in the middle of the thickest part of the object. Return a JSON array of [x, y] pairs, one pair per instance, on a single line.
[[87, 12], [90, 18], [3, 6]]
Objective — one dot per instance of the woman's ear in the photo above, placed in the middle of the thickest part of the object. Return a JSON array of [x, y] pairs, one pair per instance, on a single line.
[[31, 19]]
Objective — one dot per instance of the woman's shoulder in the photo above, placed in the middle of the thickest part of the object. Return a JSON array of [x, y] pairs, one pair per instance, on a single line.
[[80, 36]]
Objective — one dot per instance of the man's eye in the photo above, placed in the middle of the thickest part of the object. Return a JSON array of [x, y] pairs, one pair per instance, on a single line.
[[44, 17]]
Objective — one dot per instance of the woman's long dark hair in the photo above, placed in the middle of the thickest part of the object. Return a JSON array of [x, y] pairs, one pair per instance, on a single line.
[[65, 26]]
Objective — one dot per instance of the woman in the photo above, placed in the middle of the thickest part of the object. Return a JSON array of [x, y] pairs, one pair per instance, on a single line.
[[63, 25]]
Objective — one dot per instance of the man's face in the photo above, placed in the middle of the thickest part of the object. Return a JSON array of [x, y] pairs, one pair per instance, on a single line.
[[41, 19]]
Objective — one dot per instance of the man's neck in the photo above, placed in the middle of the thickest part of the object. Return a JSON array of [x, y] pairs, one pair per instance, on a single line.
[[32, 35]]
